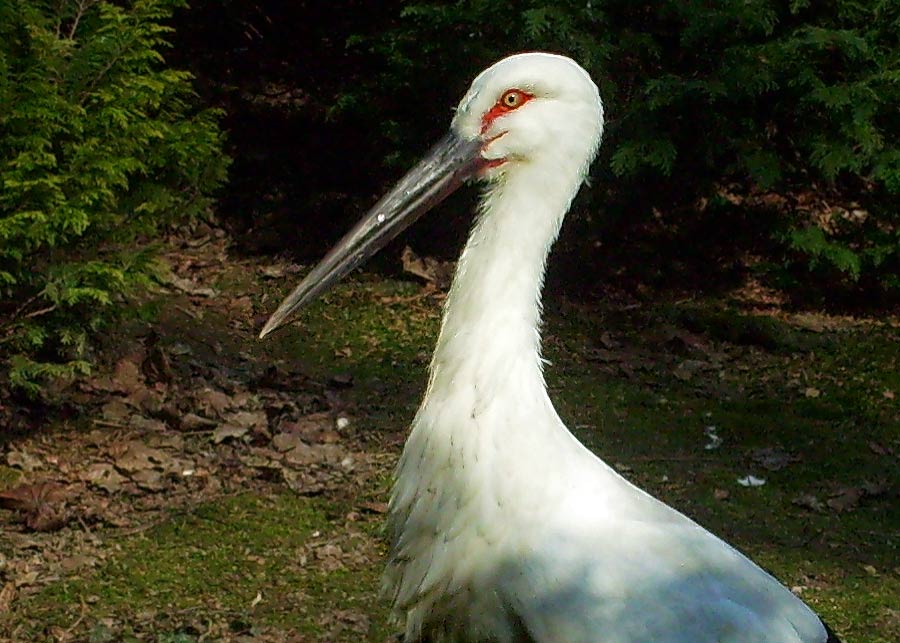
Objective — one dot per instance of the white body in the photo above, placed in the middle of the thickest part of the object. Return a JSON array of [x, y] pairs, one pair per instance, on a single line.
[[503, 526]]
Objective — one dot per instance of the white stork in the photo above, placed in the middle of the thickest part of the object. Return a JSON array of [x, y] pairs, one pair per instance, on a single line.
[[502, 526]]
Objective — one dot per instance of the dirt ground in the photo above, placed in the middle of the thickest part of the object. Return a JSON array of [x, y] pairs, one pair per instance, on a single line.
[[204, 486]]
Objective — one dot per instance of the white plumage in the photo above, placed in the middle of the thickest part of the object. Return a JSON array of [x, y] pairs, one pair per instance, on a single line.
[[502, 526]]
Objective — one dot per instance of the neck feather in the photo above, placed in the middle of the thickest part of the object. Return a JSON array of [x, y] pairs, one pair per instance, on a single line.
[[491, 324]]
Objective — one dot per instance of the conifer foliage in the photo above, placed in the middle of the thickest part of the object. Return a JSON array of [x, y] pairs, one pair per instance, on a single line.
[[101, 146], [769, 101]]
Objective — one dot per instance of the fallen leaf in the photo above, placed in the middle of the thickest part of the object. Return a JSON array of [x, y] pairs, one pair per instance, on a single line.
[[213, 401], [24, 461], [305, 454], [242, 305], [887, 394], [139, 456], [374, 507], [341, 380], [76, 562], [846, 499], [43, 504], [127, 377], [440, 273], [879, 449], [229, 432], [156, 366], [150, 425], [116, 411], [105, 477], [192, 287], [194, 422], [148, 479], [315, 428], [248, 419], [688, 368], [7, 595], [809, 501], [812, 392], [773, 458], [277, 271], [721, 494]]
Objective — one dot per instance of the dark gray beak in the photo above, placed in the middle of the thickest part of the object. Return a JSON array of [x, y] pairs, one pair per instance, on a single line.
[[447, 165]]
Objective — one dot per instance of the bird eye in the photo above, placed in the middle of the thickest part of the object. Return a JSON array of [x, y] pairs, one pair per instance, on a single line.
[[512, 98]]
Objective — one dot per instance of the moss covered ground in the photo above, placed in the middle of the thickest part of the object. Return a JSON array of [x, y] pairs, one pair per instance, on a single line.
[[681, 397]]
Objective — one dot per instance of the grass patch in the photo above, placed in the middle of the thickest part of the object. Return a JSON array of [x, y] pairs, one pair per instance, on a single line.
[[823, 401], [237, 565]]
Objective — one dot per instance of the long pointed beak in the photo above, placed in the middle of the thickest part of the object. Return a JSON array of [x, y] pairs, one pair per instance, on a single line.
[[450, 162]]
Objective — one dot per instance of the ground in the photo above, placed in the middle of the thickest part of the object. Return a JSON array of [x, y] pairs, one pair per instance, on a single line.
[[205, 486]]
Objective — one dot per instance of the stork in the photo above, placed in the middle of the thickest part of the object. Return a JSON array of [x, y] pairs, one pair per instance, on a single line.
[[502, 526]]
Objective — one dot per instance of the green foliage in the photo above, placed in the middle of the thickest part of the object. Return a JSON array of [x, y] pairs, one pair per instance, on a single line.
[[100, 147], [765, 95]]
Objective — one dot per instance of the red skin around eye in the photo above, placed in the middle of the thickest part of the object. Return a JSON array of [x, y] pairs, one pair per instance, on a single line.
[[499, 109]]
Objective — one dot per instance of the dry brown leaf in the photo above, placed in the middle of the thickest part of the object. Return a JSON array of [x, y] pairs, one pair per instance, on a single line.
[[7, 595], [248, 419], [24, 461], [242, 305], [228, 432], [28, 497], [192, 288], [43, 504], [76, 562], [116, 411], [773, 458], [139, 456], [879, 449], [374, 507], [809, 501], [440, 273], [149, 425], [213, 402], [846, 499], [148, 479], [104, 476], [127, 377], [194, 422]]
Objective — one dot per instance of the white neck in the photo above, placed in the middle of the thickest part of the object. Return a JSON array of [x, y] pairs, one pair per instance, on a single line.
[[486, 391], [491, 325]]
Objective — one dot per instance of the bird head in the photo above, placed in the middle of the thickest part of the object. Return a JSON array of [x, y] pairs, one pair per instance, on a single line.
[[532, 112], [531, 109]]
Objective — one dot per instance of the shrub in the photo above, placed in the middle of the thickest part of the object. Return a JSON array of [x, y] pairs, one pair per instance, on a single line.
[[100, 147], [702, 98]]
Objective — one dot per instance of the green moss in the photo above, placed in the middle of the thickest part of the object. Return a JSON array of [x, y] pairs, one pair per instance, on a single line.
[[213, 562], [9, 477], [650, 423]]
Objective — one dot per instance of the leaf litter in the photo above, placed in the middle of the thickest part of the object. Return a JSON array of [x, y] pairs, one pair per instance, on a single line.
[[183, 417], [171, 425]]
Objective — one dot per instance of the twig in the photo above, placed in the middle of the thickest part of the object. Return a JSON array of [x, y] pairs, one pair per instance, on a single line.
[[189, 312], [38, 313], [84, 611], [110, 424], [87, 530], [83, 6]]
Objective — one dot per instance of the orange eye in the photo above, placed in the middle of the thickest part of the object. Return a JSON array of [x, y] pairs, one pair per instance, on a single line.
[[512, 98]]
